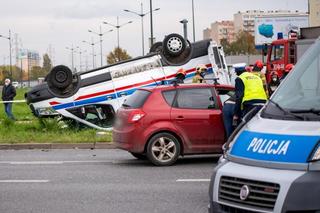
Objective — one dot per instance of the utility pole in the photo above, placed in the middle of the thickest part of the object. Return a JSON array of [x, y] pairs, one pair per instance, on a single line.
[[100, 34], [117, 26], [151, 24], [141, 14], [193, 23]]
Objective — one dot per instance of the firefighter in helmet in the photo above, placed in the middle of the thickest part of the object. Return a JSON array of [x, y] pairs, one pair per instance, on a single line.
[[180, 76], [287, 69], [274, 82], [200, 73]]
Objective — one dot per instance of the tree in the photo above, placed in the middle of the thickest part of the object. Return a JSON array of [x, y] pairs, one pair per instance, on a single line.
[[226, 46], [36, 72], [244, 45], [118, 54], [47, 65]]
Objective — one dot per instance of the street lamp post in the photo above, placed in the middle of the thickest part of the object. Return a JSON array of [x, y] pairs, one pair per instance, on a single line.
[[9, 38], [80, 56], [151, 24], [193, 24], [141, 14], [92, 43], [72, 61], [118, 26], [100, 34]]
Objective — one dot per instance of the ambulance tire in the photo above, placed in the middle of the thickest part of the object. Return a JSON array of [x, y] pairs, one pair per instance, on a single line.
[[156, 47], [174, 44], [61, 82], [163, 149], [183, 58], [60, 77]]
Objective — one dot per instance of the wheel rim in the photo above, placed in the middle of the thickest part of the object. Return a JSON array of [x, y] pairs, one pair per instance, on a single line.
[[174, 44], [164, 149], [61, 76]]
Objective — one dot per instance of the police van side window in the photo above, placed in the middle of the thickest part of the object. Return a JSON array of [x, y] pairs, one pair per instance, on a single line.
[[200, 98], [300, 91]]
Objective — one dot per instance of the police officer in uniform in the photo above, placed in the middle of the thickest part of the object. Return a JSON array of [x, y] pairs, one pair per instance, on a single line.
[[249, 92]]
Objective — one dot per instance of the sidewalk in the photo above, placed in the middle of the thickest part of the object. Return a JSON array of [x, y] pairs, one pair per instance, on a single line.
[[57, 146]]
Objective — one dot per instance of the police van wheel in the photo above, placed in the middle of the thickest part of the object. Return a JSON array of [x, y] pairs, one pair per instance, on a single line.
[[174, 44], [163, 149], [60, 76], [156, 47]]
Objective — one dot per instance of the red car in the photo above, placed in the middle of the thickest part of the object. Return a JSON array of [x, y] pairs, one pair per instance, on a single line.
[[164, 122]]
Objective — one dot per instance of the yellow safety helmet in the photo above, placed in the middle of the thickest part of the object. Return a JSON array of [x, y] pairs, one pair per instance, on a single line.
[[201, 68]]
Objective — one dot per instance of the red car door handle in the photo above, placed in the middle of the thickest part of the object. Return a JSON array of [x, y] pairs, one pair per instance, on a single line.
[[180, 118]]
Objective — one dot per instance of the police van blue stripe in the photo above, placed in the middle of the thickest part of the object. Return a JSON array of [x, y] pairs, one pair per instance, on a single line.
[[274, 147]]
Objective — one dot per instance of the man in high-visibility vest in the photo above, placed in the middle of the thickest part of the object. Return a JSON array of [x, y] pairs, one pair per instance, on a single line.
[[249, 92]]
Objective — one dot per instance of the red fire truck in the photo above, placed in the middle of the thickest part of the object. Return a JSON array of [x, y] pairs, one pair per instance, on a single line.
[[288, 51]]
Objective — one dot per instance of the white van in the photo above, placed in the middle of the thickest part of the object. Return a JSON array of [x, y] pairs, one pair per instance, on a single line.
[[272, 162], [92, 97]]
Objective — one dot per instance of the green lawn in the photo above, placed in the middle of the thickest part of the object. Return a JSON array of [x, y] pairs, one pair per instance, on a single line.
[[29, 129]]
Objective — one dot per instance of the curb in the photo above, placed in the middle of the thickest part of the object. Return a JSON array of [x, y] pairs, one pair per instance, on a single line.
[[57, 146]]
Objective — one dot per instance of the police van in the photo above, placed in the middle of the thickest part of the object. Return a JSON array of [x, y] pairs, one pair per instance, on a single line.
[[92, 97], [271, 163]]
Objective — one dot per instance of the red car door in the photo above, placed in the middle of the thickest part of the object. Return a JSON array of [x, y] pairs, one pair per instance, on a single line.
[[198, 118]]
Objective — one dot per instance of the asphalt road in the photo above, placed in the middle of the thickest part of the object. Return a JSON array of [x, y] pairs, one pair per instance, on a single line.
[[58, 181]]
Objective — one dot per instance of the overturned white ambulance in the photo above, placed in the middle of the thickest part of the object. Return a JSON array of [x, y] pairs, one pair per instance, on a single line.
[[92, 97]]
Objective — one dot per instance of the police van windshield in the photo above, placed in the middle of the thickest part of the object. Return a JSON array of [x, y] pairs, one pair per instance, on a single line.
[[300, 92]]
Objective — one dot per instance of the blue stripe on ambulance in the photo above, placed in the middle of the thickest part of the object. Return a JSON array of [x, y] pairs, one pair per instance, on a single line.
[[274, 147], [113, 95]]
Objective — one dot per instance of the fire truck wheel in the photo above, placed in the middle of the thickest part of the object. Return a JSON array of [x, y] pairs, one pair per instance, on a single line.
[[174, 44], [60, 77], [156, 47]]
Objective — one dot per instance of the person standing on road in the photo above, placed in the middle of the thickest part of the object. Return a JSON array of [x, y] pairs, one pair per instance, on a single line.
[[8, 93], [249, 92], [200, 73]]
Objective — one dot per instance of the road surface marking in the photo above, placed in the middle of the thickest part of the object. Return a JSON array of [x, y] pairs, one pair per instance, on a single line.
[[35, 162], [193, 180], [24, 181], [48, 162]]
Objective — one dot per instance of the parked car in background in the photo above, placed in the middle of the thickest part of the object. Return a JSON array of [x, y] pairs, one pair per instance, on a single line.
[[165, 122], [15, 84]]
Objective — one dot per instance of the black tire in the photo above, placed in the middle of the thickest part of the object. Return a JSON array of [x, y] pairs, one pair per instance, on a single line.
[[163, 149], [60, 77], [174, 44], [156, 47], [139, 156]]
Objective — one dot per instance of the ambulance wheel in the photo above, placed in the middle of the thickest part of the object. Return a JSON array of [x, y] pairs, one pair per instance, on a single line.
[[163, 149], [156, 47], [60, 77], [174, 44], [183, 58]]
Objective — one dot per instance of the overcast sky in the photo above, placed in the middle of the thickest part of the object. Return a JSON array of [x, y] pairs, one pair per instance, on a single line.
[[62, 23]]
